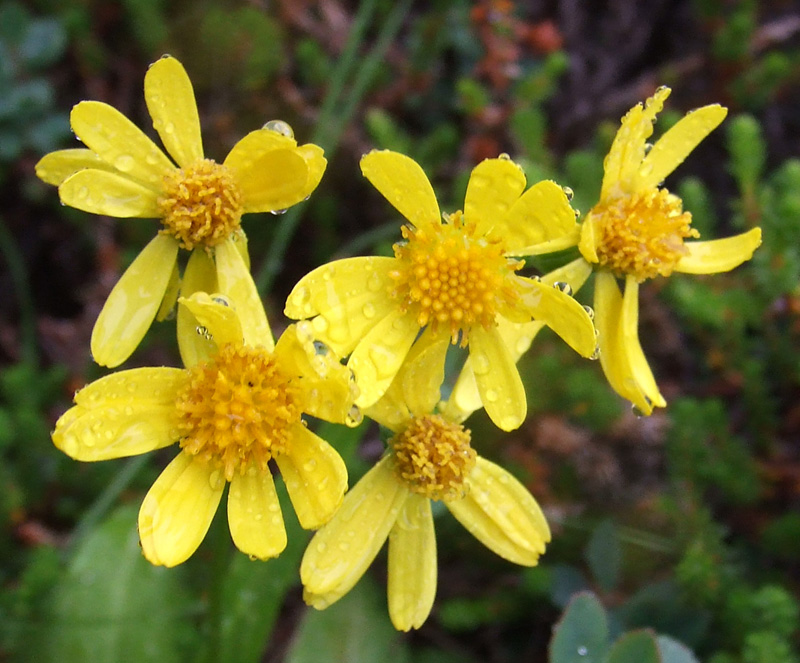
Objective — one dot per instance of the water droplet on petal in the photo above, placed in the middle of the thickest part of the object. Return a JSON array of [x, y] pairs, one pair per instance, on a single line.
[[490, 395], [569, 193], [221, 299], [278, 212], [215, 479], [368, 310], [374, 282], [480, 363], [320, 324], [582, 651], [354, 417], [169, 128], [563, 287], [310, 465], [589, 311], [124, 162], [301, 296], [280, 127]]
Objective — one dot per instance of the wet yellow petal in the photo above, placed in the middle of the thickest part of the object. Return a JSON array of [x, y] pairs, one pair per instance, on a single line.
[[253, 146], [133, 303], [589, 240], [675, 145], [236, 283], [315, 476], [214, 313], [254, 515], [170, 100], [119, 142], [170, 299], [500, 512], [499, 384], [123, 414], [350, 296], [178, 509], [316, 164], [563, 314], [276, 181], [340, 552], [493, 188], [108, 193], [200, 276], [621, 166], [412, 564], [630, 335], [540, 221], [57, 166], [404, 184], [719, 255], [380, 353]]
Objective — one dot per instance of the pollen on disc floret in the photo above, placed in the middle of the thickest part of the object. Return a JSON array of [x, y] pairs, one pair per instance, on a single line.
[[200, 204]]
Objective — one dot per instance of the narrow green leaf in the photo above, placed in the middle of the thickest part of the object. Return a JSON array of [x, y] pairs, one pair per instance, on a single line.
[[581, 636], [604, 554], [635, 647]]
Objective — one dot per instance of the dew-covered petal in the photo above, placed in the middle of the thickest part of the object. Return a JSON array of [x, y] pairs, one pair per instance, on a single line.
[[277, 180], [563, 314], [170, 299], [493, 188], [630, 335], [675, 145], [404, 184], [498, 380], [719, 255], [621, 166], [315, 476], [236, 283], [178, 509], [540, 221], [109, 193], [200, 275], [412, 564], [216, 316], [132, 305], [316, 164], [244, 155], [340, 552], [500, 512], [380, 353], [349, 296], [57, 166], [119, 142], [170, 101], [123, 414], [254, 515]]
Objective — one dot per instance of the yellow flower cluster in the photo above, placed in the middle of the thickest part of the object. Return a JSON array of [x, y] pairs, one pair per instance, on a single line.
[[372, 335]]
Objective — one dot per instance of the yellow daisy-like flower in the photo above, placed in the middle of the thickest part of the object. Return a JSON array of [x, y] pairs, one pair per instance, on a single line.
[[231, 415], [430, 458], [637, 231], [455, 279], [199, 202]]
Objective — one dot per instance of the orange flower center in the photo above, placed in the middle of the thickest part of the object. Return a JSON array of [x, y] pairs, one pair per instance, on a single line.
[[200, 204], [433, 456], [237, 410], [641, 234], [449, 277]]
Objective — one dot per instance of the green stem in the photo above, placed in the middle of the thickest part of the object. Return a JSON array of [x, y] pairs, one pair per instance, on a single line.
[[220, 559], [19, 277]]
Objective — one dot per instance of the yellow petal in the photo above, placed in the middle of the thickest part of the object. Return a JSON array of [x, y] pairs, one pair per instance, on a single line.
[[380, 353], [133, 303], [494, 186], [57, 166], [621, 166], [315, 476], [236, 283], [276, 181], [119, 142], [630, 343], [500, 512], [404, 184], [200, 276], [540, 221], [589, 240], [316, 164], [253, 146], [108, 193], [719, 255], [123, 414], [178, 509], [574, 274], [675, 145], [170, 295], [340, 552], [412, 565], [563, 314], [170, 100], [499, 384], [254, 515], [215, 314], [350, 297]]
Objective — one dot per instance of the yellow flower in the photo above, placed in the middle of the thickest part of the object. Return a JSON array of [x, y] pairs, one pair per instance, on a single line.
[[455, 279], [637, 231], [198, 201], [430, 458], [231, 415]]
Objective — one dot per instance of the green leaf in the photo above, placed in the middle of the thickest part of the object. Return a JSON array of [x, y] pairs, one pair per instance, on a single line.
[[356, 629], [673, 651], [111, 604], [604, 555], [581, 636], [635, 647]]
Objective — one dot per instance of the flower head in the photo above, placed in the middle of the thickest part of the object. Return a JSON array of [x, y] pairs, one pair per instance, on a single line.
[[231, 414], [199, 202], [453, 277], [429, 458]]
